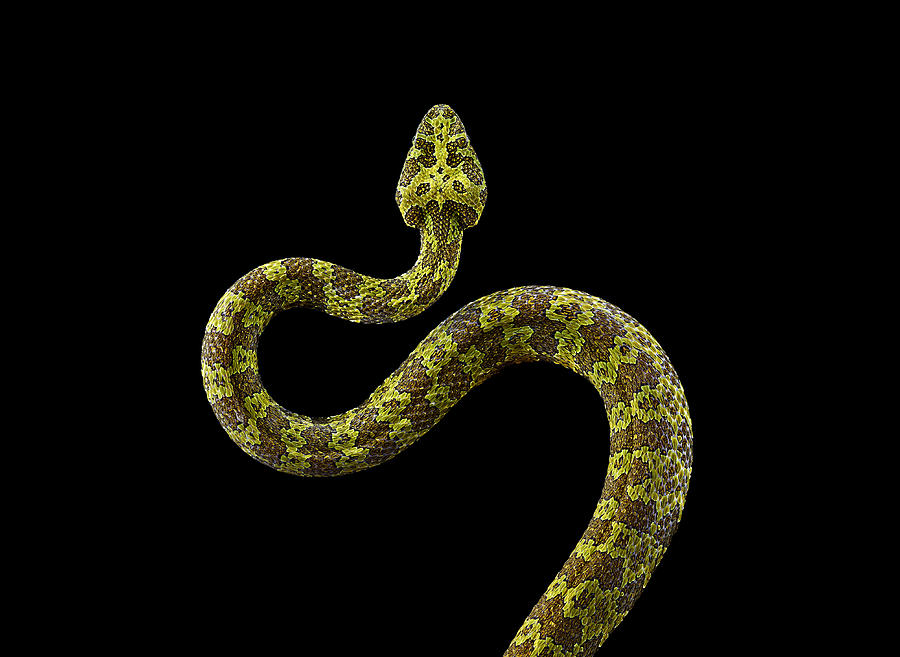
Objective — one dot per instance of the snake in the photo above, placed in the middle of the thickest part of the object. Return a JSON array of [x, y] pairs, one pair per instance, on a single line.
[[442, 192]]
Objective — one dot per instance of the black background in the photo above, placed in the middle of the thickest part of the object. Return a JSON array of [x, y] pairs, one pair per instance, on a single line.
[[641, 192]]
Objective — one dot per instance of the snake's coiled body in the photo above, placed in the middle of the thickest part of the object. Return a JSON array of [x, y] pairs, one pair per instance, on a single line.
[[441, 192]]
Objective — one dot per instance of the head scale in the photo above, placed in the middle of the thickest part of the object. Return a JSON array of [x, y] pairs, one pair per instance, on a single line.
[[441, 173]]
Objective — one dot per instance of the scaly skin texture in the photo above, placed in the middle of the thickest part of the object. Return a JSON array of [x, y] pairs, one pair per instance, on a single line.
[[442, 192]]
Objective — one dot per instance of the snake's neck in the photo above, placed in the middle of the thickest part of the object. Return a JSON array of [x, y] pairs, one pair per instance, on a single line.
[[434, 269]]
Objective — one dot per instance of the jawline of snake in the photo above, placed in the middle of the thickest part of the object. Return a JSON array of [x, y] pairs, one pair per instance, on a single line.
[[442, 193]]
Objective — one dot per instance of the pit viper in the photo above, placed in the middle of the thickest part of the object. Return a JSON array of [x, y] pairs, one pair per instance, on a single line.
[[441, 193]]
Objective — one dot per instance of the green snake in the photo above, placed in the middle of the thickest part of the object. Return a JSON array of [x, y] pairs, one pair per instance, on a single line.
[[442, 192]]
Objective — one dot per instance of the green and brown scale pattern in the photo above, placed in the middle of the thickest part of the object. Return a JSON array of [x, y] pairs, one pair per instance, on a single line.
[[442, 192]]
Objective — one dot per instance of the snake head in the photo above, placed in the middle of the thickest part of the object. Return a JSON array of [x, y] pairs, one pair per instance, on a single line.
[[441, 174]]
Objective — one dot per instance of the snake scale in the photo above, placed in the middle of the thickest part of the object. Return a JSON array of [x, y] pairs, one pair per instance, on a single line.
[[441, 192]]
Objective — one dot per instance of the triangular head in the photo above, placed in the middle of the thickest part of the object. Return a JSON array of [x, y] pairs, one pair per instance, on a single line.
[[441, 173]]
